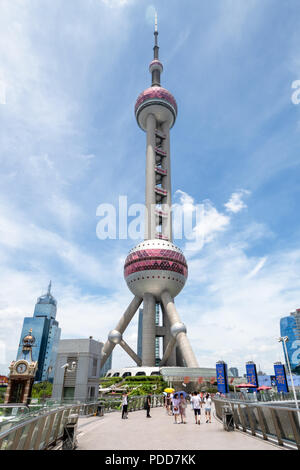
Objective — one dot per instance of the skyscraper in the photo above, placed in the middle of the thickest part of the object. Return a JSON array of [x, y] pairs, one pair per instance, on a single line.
[[46, 333], [290, 326], [157, 338], [156, 270], [234, 371]]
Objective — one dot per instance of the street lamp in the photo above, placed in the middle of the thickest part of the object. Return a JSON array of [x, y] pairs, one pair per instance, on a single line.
[[284, 340]]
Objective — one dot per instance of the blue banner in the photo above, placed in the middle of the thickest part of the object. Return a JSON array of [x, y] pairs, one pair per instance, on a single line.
[[222, 377], [251, 374], [280, 375]]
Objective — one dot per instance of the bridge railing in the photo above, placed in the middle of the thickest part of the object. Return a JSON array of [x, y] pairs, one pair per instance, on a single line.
[[36, 432], [38, 428], [262, 396], [271, 422]]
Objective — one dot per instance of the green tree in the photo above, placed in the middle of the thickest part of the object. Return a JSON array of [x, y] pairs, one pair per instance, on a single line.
[[41, 390]]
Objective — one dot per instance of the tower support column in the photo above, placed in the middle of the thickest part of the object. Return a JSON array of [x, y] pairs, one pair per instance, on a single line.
[[149, 331], [181, 337], [120, 328], [171, 357]]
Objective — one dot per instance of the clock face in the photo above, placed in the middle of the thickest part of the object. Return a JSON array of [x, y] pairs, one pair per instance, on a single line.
[[21, 368]]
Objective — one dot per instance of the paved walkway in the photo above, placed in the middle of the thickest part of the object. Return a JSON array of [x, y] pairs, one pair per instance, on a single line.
[[159, 433]]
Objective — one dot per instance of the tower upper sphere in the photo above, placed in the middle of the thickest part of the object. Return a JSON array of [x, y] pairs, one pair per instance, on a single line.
[[158, 101]]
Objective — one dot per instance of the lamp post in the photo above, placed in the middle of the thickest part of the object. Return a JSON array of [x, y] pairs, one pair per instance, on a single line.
[[284, 340]]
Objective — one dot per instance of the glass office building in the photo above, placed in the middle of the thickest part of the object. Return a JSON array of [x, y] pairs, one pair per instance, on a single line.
[[107, 366], [46, 332], [234, 371], [140, 335], [290, 326]]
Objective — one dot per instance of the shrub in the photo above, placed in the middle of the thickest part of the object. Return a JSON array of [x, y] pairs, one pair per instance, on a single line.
[[41, 390]]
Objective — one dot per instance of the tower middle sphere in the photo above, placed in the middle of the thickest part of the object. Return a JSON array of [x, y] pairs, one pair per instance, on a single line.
[[155, 266]]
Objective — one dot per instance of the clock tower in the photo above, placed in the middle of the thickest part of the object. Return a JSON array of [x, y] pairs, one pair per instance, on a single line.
[[22, 373]]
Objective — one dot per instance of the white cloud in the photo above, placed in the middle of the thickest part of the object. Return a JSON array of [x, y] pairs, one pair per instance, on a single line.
[[117, 3], [258, 267], [235, 203]]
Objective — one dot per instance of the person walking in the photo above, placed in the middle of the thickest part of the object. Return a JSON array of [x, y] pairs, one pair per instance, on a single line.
[[182, 408], [124, 406], [176, 410], [168, 404], [148, 405], [191, 402], [196, 400], [207, 408]]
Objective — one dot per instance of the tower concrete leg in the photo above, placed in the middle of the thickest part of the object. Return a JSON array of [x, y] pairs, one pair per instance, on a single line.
[[131, 353], [120, 328], [149, 330], [170, 360], [181, 337]]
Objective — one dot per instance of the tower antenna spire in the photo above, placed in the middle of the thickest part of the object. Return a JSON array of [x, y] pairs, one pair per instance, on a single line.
[[156, 48], [49, 288], [156, 66]]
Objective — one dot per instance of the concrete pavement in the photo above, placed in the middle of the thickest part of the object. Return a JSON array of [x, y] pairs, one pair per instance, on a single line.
[[110, 432]]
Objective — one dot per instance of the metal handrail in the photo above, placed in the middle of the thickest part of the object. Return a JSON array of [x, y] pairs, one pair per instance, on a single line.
[[35, 433], [261, 397], [271, 422], [42, 428]]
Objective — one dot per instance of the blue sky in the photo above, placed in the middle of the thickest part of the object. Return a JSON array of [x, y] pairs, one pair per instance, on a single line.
[[70, 73]]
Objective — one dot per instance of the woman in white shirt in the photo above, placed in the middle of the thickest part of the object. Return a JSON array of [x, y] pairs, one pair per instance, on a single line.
[[207, 408], [196, 401]]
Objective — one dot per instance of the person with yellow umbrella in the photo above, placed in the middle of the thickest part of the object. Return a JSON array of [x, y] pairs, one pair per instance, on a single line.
[[168, 399], [169, 390]]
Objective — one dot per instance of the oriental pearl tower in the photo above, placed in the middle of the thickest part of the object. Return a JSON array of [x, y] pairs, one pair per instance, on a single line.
[[155, 270]]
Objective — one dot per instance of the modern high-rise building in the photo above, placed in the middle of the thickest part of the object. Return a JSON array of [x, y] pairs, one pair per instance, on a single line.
[[157, 338], [234, 371], [107, 366], [290, 327], [156, 270], [46, 333]]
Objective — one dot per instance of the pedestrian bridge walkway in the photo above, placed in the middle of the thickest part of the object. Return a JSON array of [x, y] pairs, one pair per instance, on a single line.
[[110, 432]]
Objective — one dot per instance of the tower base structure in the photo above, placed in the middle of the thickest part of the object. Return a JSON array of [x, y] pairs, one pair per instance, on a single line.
[[188, 379], [177, 350]]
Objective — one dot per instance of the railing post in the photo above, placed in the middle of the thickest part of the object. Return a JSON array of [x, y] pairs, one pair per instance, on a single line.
[[294, 423], [242, 418], [58, 425], [262, 423], [276, 425], [48, 434], [250, 417], [39, 433], [29, 436], [17, 436], [234, 412]]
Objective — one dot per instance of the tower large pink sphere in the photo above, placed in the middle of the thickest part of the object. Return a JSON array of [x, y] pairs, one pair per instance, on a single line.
[[155, 266]]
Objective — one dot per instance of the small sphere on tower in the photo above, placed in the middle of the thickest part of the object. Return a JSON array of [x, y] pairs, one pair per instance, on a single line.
[[115, 337]]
